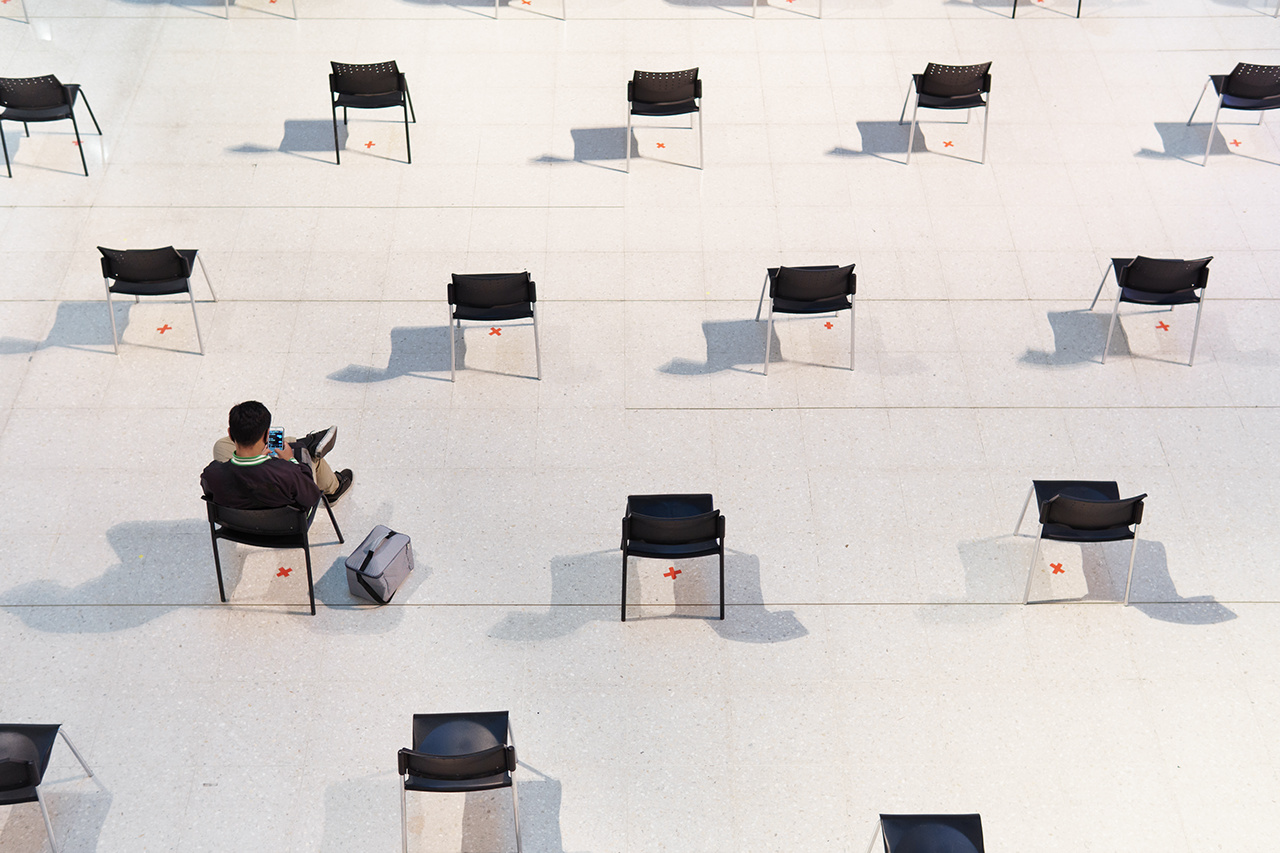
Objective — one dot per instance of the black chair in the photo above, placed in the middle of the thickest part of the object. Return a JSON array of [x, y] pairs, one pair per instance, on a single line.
[[28, 99], [671, 527], [1083, 511], [369, 87], [282, 527], [950, 87], [808, 290], [1156, 281], [1247, 87], [929, 833], [459, 753], [24, 757], [665, 93], [1079, 3], [151, 272], [491, 297]]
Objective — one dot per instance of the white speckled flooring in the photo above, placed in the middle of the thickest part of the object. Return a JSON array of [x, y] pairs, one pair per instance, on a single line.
[[876, 656]]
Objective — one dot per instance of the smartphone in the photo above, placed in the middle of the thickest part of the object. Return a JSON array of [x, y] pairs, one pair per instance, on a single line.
[[275, 439]]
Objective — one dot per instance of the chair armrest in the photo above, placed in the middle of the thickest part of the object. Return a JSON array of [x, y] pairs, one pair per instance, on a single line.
[[697, 87], [631, 90]]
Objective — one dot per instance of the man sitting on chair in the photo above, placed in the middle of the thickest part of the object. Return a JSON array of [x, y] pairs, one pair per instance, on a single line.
[[244, 475]]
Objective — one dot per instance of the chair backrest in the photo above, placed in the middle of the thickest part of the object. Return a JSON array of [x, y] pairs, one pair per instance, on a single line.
[[144, 265], [812, 285], [1083, 514], [32, 93], [491, 290], [477, 765], [925, 833], [279, 521], [376, 78], [674, 531], [659, 87], [950, 81], [1165, 275], [1253, 81]]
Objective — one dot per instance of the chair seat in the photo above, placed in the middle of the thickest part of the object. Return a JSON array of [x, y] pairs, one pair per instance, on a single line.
[[261, 540], [675, 108], [32, 115], [370, 102], [488, 783], [823, 306], [639, 548], [166, 287], [518, 311], [32, 743], [1143, 297], [959, 102]]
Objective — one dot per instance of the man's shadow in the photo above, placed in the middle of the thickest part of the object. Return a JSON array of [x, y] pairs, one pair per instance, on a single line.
[[1078, 338], [415, 351], [996, 572], [587, 588]]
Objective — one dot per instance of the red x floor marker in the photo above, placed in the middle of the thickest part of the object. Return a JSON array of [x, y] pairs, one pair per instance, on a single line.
[[1235, 142], [162, 329], [671, 573], [282, 572], [369, 144], [828, 324], [1057, 568], [1162, 326], [948, 145], [494, 330], [662, 145]]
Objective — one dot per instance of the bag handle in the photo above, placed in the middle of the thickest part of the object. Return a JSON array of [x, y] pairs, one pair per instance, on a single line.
[[374, 547]]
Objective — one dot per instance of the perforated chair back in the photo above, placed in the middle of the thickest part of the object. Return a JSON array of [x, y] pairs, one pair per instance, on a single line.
[[492, 290], [1090, 515], [376, 78], [145, 266], [675, 531], [664, 87], [33, 93], [1159, 275], [812, 285], [951, 81], [1255, 82]]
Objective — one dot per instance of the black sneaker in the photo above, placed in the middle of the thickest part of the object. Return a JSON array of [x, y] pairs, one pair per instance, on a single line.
[[345, 479], [319, 443]]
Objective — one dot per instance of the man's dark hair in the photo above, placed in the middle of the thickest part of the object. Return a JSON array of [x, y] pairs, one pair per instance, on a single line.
[[248, 423]]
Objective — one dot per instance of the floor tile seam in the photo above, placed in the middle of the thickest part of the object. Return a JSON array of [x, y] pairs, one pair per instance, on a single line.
[[875, 408]]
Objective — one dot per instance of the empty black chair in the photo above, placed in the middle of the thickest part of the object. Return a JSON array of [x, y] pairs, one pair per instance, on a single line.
[[28, 99], [929, 833], [950, 87], [492, 297], [1157, 282], [151, 272], [1083, 511], [459, 753], [671, 527], [281, 527], [808, 290], [665, 93], [1079, 3], [1247, 87], [369, 87], [24, 757]]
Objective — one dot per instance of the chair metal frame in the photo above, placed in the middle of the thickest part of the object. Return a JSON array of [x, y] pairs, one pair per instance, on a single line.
[[406, 103], [455, 322], [25, 18], [188, 255], [1079, 3], [44, 809], [1118, 265], [755, 3], [227, 11], [697, 110], [768, 336], [73, 92], [915, 86], [1109, 486], [1219, 82]]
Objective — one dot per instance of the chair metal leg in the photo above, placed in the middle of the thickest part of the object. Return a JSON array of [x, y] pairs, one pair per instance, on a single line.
[[986, 114], [911, 136], [91, 115], [1025, 504], [903, 115], [515, 813], [628, 142], [722, 582], [874, 835], [111, 312], [195, 317], [48, 827], [1196, 334], [337, 156], [753, 7], [26, 128], [328, 507], [207, 280], [1203, 89], [1031, 572], [537, 346], [4, 143], [768, 339], [453, 358], [1213, 128], [852, 326], [1079, 3], [700, 121], [404, 822], [1100, 284], [412, 115], [624, 585], [1133, 552], [311, 589], [75, 752], [294, 3], [760, 304], [407, 150], [226, 6], [495, 10], [1111, 326], [1015, 9], [217, 566], [79, 145]]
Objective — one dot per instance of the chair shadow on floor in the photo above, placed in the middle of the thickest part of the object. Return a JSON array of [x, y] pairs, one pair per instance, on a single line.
[[730, 345], [1078, 338], [995, 572], [78, 809], [162, 565], [592, 145], [1183, 142], [585, 588], [484, 8], [415, 351], [302, 138], [886, 140], [81, 326]]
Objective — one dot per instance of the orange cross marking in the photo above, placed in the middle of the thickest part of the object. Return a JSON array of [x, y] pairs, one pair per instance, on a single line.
[[369, 144], [1162, 326], [495, 330], [671, 573], [1057, 568], [828, 324], [162, 329], [662, 145], [948, 145], [1235, 142], [282, 572]]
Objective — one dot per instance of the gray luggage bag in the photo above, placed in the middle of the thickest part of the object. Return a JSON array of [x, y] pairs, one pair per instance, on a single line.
[[381, 563]]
